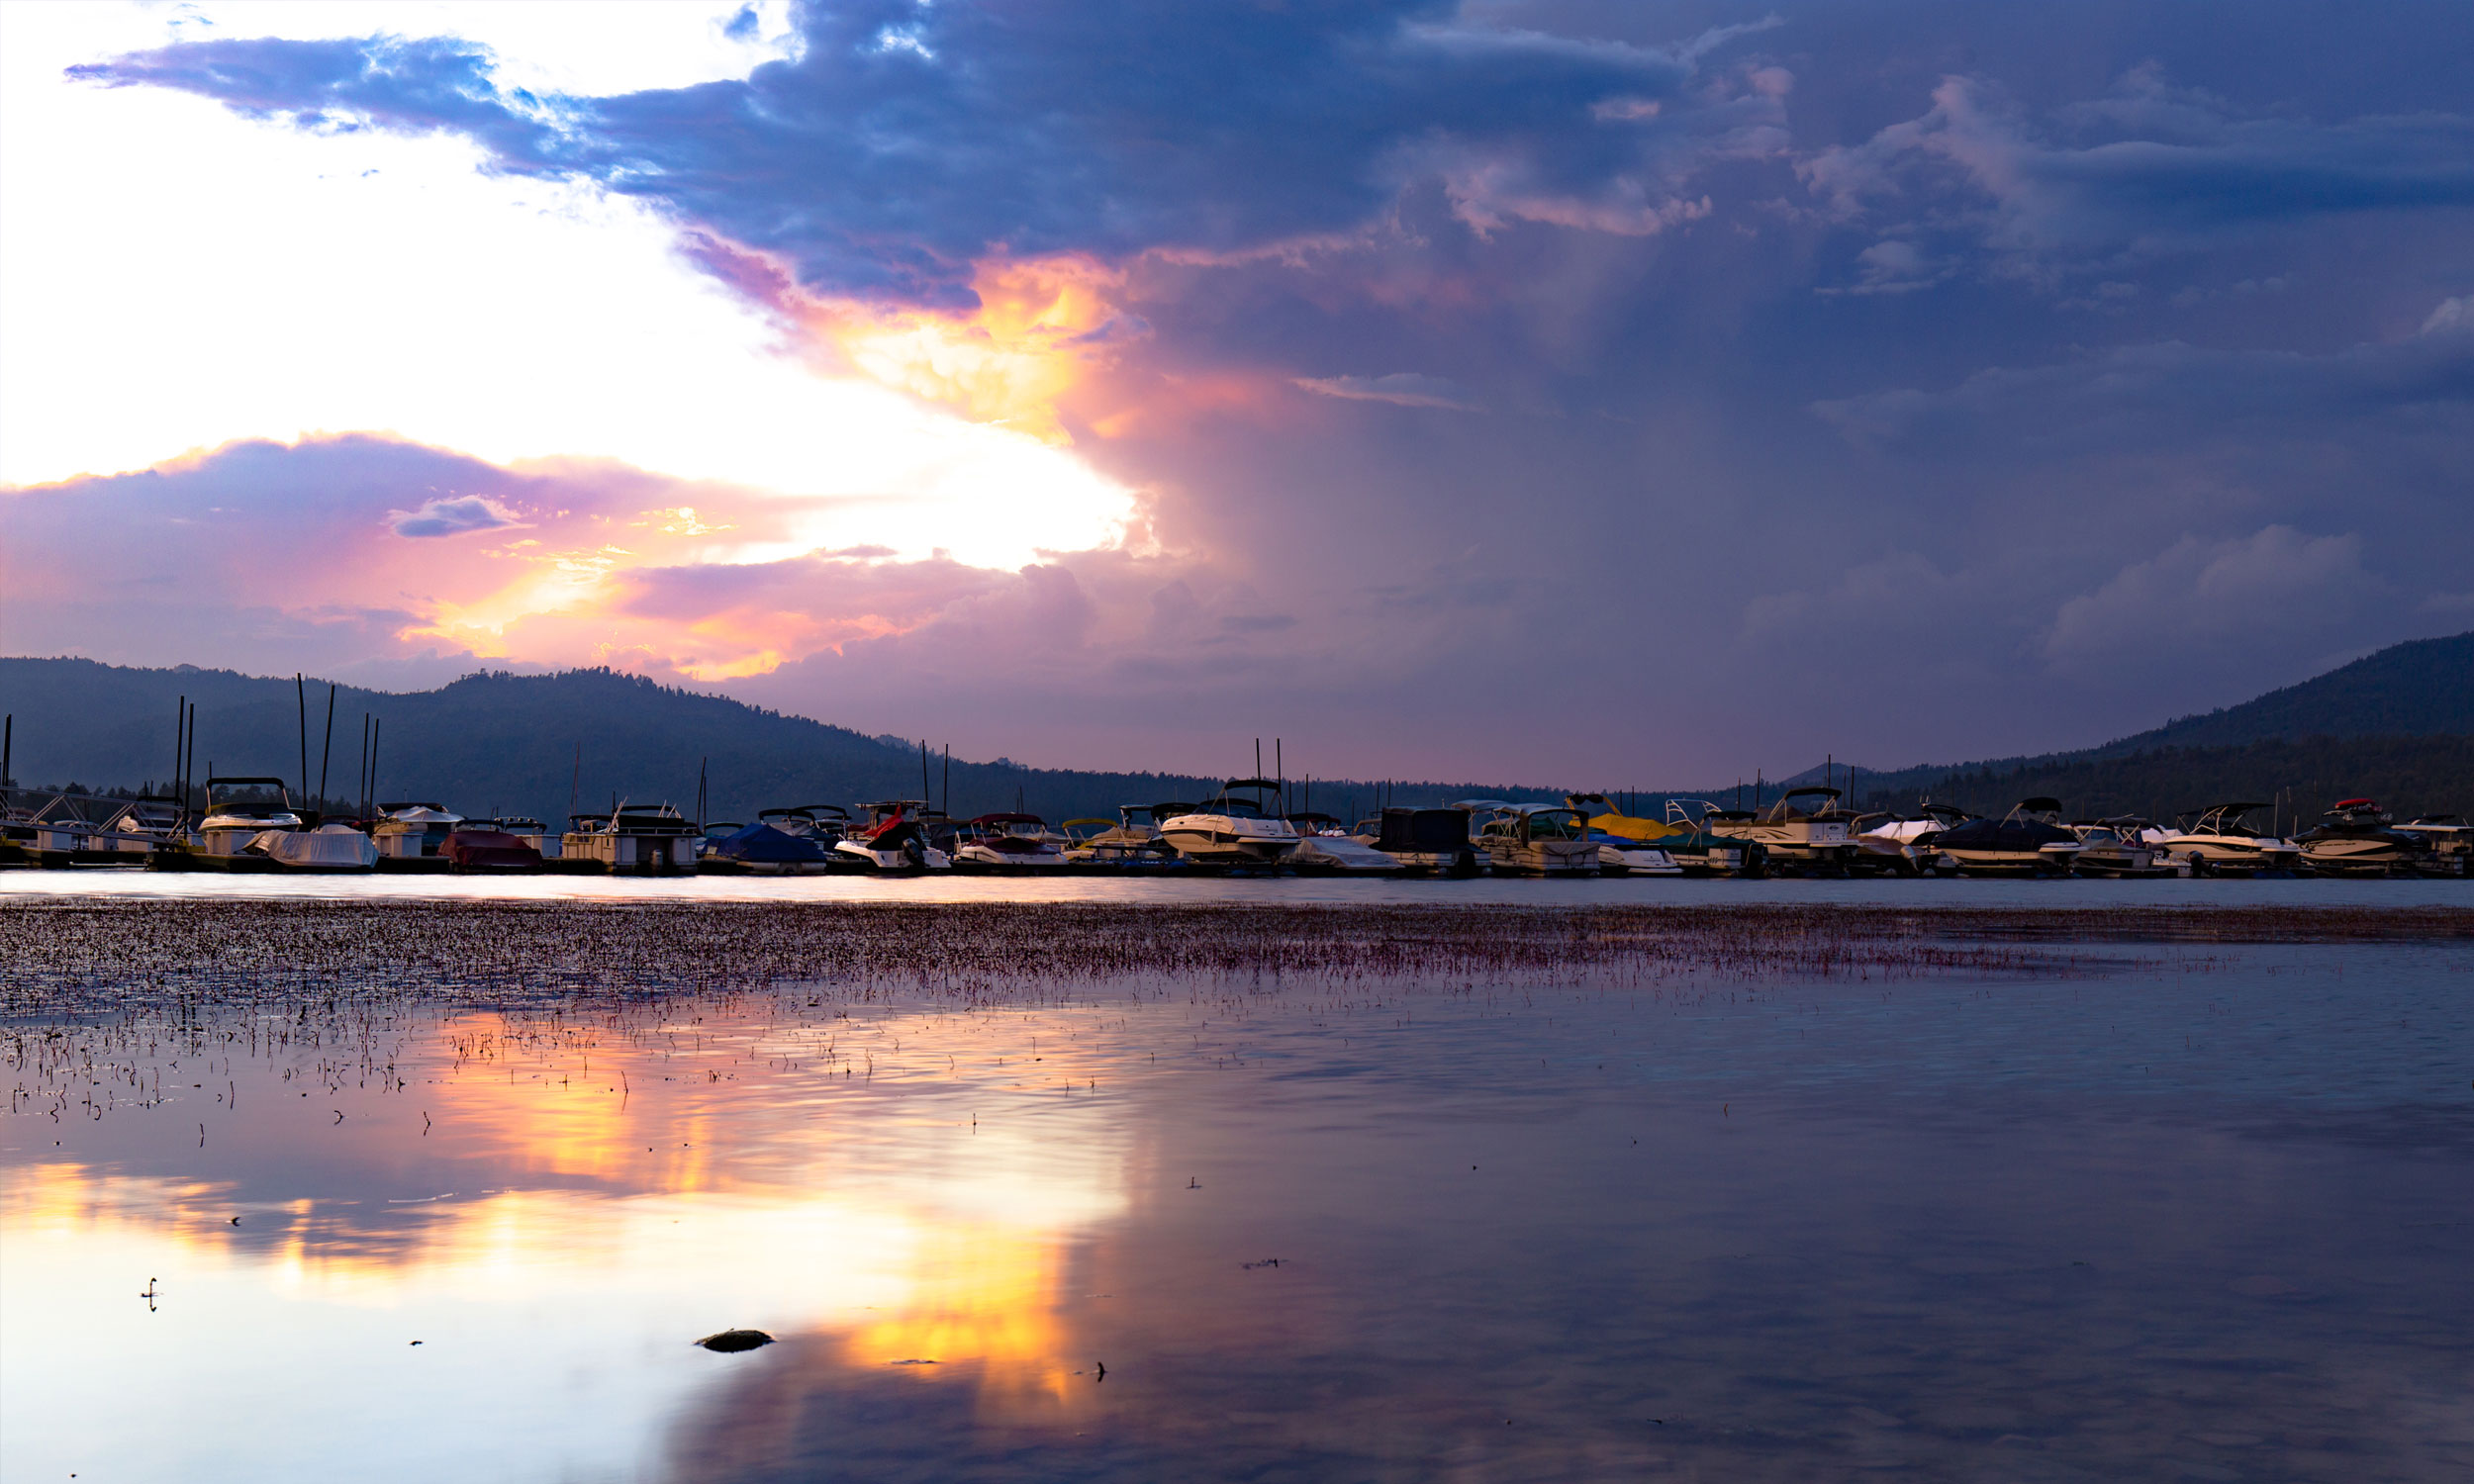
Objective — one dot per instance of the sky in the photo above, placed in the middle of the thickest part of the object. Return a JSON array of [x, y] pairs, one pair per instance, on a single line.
[[1631, 394]]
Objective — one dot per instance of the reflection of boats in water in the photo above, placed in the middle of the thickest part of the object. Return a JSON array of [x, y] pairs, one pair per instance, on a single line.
[[1425, 842], [2357, 838], [894, 839], [1235, 829], [2029, 840], [2221, 842], [1008, 843], [1537, 840], [1789, 832]]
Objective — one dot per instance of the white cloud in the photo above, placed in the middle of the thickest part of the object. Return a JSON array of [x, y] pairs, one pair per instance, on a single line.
[[174, 276], [2275, 582]]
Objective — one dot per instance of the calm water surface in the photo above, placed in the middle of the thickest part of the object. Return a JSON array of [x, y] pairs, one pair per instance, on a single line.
[[2209, 1215]]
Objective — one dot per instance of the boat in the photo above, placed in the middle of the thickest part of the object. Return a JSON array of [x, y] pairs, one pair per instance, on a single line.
[[1016, 844], [1893, 844], [763, 847], [532, 833], [1539, 840], [2118, 848], [1130, 842], [1700, 850], [1237, 827], [1813, 838], [237, 811], [493, 847], [1627, 844], [143, 827], [2220, 843], [631, 840], [330, 849], [2357, 838], [410, 835], [1425, 842], [894, 839], [2030, 840], [2452, 840], [1325, 849]]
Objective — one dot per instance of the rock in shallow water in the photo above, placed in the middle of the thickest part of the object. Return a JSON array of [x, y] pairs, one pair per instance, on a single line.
[[731, 1341]]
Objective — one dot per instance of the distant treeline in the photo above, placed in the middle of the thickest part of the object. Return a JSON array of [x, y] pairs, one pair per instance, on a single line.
[[2412, 776]]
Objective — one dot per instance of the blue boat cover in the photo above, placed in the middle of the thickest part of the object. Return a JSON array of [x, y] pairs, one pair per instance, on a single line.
[[762, 842]]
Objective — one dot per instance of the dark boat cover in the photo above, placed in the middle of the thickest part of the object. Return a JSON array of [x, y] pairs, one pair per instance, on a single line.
[[489, 849], [1424, 830], [761, 842], [2022, 836]]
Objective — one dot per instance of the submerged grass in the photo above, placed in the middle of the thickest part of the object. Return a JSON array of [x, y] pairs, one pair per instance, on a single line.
[[82, 958]]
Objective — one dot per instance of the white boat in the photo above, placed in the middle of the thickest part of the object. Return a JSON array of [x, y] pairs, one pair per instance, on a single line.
[[237, 811], [412, 831], [1013, 843], [894, 839], [1129, 843], [329, 848], [1539, 840], [1627, 844], [1236, 828], [1791, 833], [2357, 838], [1897, 844], [143, 826], [2220, 843], [2118, 848], [1325, 849]]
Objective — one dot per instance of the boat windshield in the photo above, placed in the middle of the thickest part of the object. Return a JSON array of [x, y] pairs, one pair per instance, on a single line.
[[1235, 808], [1556, 824]]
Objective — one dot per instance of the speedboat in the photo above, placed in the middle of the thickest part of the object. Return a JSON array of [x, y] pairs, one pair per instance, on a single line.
[[1539, 840], [330, 848], [2220, 843], [1130, 842], [238, 810], [763, 847], [2118, 848], [1625, 843], [1792, 833], [1425, 842], [1887, 842], [634, 840], [409, 833], [529, 832], [2452, 840], [894, 839], [1236, 828], [1008, 843], [1695, 843], [2356, 839], [1325, 849], [2029, 840]]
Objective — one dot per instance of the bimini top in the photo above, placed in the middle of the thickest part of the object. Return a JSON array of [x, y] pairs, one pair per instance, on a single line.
[[995, 819]]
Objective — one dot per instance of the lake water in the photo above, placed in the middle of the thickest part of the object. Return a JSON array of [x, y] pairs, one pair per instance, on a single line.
[[2184, 1213]]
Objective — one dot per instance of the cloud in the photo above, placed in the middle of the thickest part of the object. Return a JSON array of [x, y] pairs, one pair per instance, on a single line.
[[451, 517], [2146, 168], [2276, 579], [905, 144], [1401, 389]]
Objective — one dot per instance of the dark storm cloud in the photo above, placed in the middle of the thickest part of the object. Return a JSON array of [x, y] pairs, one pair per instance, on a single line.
[[1914, 379], [908, 140]]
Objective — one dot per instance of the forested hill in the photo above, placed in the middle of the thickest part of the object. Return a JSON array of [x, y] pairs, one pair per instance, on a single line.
[[498, 743], [2421, 688]]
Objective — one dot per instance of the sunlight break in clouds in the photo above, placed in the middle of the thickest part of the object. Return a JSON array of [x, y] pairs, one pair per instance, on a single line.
[[242, 278]]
